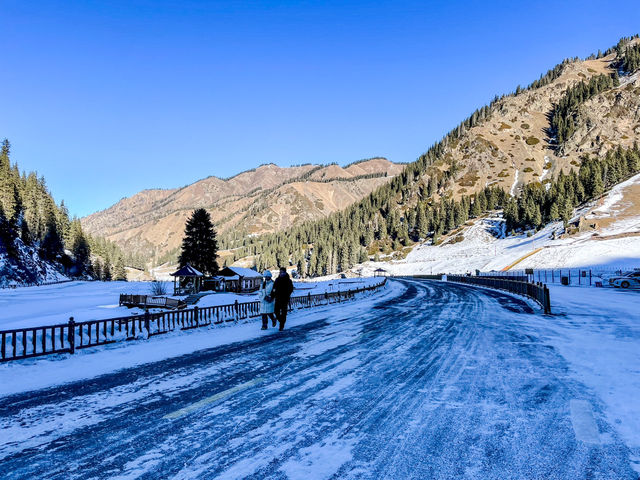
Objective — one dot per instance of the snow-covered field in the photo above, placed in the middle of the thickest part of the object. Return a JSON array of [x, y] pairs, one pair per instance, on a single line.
[[54, 304]]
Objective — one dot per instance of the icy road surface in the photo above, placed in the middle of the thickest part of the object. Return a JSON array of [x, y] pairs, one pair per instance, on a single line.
[[438, 383]]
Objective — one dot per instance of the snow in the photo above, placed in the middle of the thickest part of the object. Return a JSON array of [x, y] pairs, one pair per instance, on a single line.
[[614, 197], [512, 191], [482, 250], [54, 304], [27, 375], [598, 332], [437, 381]]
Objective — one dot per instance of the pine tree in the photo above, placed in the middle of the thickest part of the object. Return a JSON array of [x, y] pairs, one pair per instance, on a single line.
[[97, 269], [119, 272], [106, 271], [51, 247], [199, 245], [7, 238]]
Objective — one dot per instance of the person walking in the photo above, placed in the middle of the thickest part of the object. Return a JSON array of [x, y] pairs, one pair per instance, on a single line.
[[267, 302], [282, 288]]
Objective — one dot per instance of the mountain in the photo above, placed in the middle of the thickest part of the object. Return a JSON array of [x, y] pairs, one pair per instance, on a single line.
[[265, 199], [38, 241], [538, 152]]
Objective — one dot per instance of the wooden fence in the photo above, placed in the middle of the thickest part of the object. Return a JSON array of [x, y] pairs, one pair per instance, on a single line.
[[143, 301], [68, 337]]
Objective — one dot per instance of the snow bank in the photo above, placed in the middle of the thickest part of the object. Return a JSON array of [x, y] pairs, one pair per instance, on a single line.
[[598, 332]]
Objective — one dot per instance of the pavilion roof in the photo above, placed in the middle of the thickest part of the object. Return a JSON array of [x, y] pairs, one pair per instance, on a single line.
[[187, 271]]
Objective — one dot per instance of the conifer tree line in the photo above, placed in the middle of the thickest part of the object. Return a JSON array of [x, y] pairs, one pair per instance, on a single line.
[[628, 55], [538, 205], [387, 219], [564, 114], [28, 212]]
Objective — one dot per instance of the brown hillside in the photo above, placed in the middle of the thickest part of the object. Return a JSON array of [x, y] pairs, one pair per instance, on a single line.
[[265, 199], [512, 147]]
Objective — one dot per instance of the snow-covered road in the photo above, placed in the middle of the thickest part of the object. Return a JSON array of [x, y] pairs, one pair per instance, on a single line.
[[439, 382]]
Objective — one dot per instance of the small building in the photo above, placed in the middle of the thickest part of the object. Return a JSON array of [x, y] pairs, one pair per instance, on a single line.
[[380, 272], [187, 281], [238, 279]]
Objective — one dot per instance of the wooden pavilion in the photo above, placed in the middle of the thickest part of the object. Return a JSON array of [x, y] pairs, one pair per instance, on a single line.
[[380, 272], [187, 280]]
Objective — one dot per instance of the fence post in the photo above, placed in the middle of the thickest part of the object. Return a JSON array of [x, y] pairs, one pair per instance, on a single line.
[[547, 301], [237, 310], [309, 299], [196, 313], [146, 321], [71, 336]]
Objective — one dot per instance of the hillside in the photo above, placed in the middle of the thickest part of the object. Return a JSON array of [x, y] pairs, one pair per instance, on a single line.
[[607, 238], [38, 241], [265, 199], [523, 152]]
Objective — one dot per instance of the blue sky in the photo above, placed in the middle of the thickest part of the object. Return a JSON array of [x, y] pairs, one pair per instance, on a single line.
[[108, 98]]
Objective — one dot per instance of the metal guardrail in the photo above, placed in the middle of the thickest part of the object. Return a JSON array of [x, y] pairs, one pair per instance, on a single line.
[[536, 291], [68, 337]]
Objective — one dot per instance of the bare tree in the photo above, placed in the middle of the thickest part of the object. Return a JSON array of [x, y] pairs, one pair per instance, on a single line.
[[158, 288]]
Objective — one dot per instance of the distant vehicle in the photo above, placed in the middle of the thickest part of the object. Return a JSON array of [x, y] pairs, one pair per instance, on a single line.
[[628, 280]]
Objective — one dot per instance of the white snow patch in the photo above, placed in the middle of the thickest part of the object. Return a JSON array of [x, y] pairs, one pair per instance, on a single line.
[[321, 460], [584, 425], [512, 191]]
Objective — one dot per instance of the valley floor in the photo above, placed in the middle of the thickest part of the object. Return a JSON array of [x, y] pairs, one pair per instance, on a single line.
[[426, 380]]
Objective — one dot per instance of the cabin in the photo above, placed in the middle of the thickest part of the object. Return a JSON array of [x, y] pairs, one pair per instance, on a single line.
[[238, 279]]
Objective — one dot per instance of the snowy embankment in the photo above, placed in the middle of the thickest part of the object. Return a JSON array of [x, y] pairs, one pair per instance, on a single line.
[[28, 375], [615, 244], [54, 304], [598, 333]]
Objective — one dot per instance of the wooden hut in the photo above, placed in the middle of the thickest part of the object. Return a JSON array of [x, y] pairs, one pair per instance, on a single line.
[[187, 280], [238, 279]]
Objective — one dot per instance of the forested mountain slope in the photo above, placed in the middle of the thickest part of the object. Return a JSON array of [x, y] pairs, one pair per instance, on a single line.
[[266, 199], [523, 152], [34, 230]]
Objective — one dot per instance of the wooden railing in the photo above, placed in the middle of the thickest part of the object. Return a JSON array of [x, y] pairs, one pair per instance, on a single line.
[[68, 337], [150, 301]]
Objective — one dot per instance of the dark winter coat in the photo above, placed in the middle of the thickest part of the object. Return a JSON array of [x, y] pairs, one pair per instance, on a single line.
[[282, 288]]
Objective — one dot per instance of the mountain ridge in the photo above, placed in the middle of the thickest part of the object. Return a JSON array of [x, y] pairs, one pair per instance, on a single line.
[[152, 220]]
